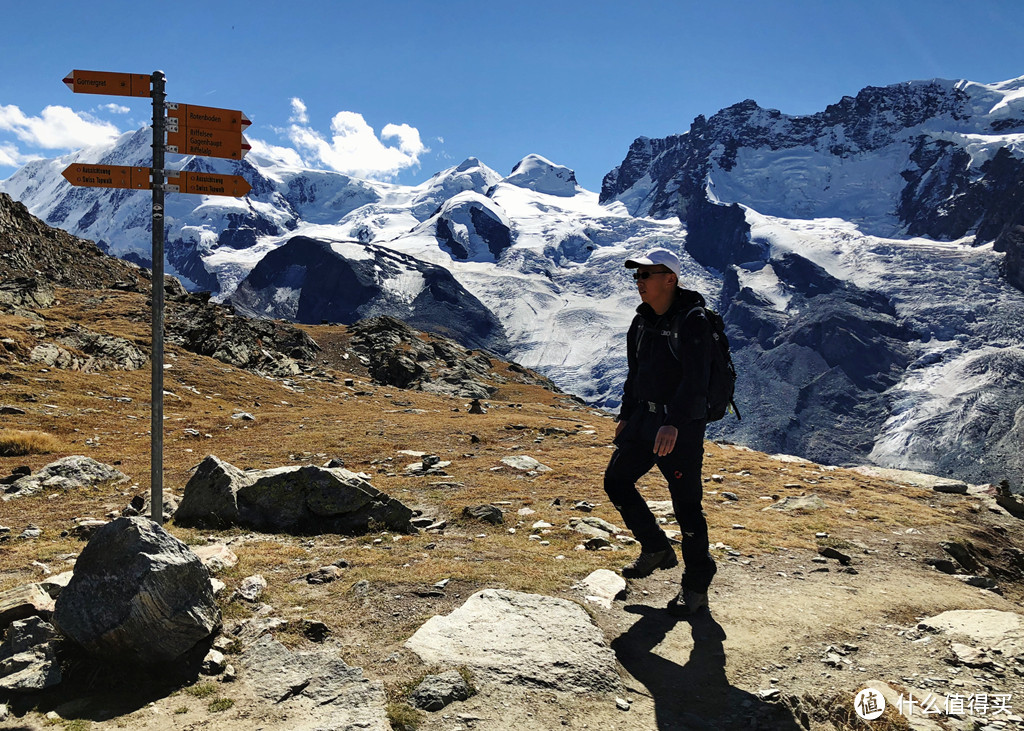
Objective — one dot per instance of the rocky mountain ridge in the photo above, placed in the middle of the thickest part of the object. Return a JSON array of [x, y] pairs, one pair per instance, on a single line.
[[945, 152]]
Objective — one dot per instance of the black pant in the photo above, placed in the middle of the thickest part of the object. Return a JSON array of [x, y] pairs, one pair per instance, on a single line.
[[634, 457]]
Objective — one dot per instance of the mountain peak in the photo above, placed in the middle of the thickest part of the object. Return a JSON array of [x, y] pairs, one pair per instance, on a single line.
[[535, 172]]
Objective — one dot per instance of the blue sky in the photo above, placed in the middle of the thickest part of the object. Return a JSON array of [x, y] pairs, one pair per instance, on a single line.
[[401, 89]]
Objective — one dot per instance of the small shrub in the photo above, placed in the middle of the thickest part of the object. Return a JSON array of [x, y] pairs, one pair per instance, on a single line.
[[404, 717], [180, 710], [201, 690], [15, 443], [220, 704]]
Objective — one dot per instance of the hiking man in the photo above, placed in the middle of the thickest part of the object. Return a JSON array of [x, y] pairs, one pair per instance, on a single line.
[[661, 422]]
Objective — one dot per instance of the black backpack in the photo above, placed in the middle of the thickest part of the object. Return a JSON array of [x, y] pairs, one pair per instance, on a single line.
[[722, 385]]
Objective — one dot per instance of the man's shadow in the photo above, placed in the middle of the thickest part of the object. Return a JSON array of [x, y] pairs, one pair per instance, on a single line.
[[696, 695]]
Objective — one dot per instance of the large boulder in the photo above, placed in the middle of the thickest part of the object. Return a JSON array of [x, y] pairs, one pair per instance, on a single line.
[[521, 639], [299, 500], [67, 473], [138, 594]]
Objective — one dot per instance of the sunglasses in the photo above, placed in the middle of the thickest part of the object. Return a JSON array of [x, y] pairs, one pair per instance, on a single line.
[[644, 275]]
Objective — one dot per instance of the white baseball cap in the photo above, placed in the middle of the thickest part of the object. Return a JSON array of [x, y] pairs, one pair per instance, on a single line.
[[654, 257]]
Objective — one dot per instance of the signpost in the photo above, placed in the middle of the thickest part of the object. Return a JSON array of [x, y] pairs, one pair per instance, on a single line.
[[192, 115], [107, 176], [205, 131], [208, 143], [135, 178], [207, 184], [108, 82]]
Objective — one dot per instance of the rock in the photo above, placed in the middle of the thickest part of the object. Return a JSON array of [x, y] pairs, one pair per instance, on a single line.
[[86, 527], [437, 691], [986, 627], [11, 411], [487, 513], [476, 408], [214, 663], [54, 585], [951, 488], [829, 552], [969, 656], [522, 462], [792, 504], [622, 704], [530, 640], [21, 602], [942, 564], [982, 582], [324, 575], [229, 675], [961, 554], [4, 712], [251, 588], [216, 557], [299, 500], [596, 544], [602, 587], [244, 415], [317, 686], [31, 531], [28, 657], [66, 474], [594, 527], [138, 594]]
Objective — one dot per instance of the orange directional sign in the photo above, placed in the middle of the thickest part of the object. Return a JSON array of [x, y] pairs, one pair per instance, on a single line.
[[108, 82], [107, 176], [193, 116], [208, 143], [209, 184]]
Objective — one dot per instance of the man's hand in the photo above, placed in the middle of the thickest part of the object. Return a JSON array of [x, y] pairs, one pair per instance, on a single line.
[[665, 442], [619, 426]]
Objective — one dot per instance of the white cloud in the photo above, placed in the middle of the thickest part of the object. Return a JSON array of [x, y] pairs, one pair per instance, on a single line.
[[273, 154], [116, 108], [354, 148], [10, 156], [299, 113], [57, 128]]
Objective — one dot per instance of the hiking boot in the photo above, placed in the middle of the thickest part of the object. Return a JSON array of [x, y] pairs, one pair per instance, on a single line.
[[687, 603], [648, 561]]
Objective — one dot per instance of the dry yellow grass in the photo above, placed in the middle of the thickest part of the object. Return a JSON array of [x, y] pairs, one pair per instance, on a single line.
[[15, 443]]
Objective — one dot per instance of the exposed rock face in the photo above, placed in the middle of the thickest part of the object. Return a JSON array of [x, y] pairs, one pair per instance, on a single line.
[[831, 363], [29, 248], [471, 226], [312, 281], [138, 594], [299, 500], [28, 657], [396, 355], [318, 687], [521, 639], [83, 350], [266, 347], [21, 292]]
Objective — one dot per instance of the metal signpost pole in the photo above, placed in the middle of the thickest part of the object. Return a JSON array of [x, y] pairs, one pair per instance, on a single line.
[[157, 355]]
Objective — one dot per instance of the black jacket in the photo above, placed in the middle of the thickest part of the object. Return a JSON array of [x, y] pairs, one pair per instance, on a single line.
[[678, 385]]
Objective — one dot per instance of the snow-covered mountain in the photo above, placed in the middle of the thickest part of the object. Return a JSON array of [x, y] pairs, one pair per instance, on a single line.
[[865, 259]]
